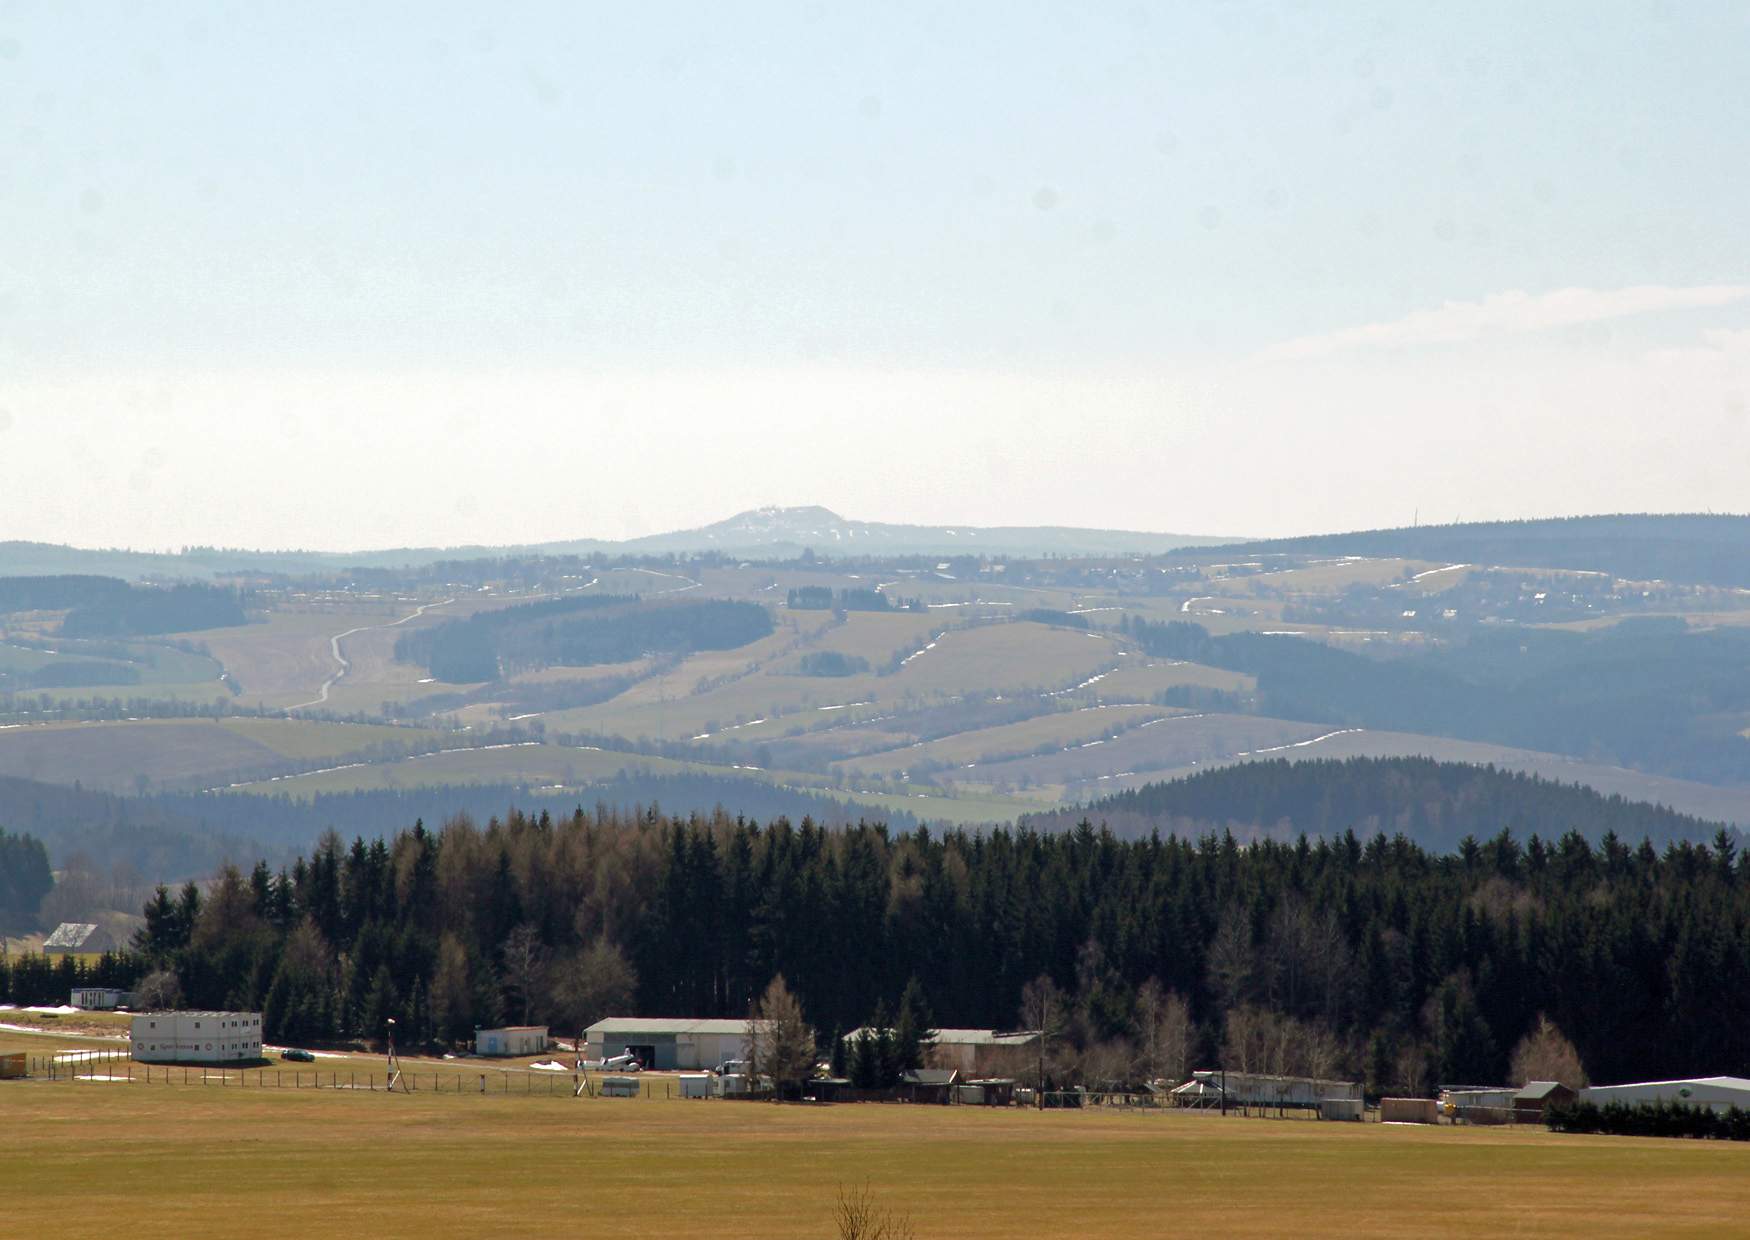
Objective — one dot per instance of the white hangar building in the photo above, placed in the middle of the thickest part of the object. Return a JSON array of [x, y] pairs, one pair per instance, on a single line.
[[1717, 1093], [668, 1043]]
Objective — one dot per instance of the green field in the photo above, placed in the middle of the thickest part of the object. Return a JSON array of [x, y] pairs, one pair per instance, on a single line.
[[192, 1160], [1061, 730]]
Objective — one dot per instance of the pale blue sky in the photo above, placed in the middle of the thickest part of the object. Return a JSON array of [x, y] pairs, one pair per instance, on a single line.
[[633, 226]]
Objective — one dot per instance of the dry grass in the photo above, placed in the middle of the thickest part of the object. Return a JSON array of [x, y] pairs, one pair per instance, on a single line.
[[179, 1161]]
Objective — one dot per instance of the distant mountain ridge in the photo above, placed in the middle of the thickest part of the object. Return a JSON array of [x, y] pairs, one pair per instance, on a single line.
[[773, 532]]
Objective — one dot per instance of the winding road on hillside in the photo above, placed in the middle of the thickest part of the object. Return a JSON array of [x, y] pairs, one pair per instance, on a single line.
[[321, 698]]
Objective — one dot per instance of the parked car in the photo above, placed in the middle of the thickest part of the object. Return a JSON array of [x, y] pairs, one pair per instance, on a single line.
[[298, 1056]]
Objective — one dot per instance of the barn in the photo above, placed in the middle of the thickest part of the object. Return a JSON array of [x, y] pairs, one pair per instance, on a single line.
[[78, 938], [668, 1044], [196, 1037], [1529, 1103], [1717, 1093]]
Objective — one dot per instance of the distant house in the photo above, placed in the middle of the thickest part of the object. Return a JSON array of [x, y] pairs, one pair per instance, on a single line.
[[511, 1041], [78, 938], [1529, 1103]]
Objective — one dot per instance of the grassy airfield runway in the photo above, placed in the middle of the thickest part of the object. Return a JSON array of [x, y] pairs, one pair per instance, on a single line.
[[91, 1157]]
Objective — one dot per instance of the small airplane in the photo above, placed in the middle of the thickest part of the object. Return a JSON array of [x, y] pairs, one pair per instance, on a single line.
[[614, 1063]]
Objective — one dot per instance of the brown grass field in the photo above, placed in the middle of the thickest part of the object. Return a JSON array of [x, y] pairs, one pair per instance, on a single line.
[[92, 1158]]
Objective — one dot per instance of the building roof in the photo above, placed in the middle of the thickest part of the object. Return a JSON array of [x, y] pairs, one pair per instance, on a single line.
[[1718, 1082], [1540, 1089], [195, 1012], [664, 1026], [72, 936], [929, 1076], [541, 1029], [962, 1037]]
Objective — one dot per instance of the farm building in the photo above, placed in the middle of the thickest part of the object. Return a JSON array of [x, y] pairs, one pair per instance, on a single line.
[[972, 1052], [78, 938], [196, 1037], [511, 1040], [1205, 1090], [1528, 1103], [1718, 1093], [100, 998], [1479, 1104], [668, 1043], [932, 1085], [993, 1091]]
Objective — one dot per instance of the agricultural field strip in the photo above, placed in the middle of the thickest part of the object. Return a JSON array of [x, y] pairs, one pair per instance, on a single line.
[[353, 766], [984, 744]]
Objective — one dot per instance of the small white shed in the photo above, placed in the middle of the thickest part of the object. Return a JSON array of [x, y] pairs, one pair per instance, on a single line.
[[511, 1041]]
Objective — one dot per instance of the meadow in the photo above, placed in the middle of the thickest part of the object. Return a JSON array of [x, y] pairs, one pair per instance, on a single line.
[[185, 1160]]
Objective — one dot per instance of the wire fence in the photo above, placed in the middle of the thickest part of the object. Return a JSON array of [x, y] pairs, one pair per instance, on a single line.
[[120, 1067]]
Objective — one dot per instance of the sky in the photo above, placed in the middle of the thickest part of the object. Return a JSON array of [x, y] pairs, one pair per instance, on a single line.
[[344, 276]]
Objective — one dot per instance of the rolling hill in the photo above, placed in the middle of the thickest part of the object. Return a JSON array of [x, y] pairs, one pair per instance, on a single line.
[[1436, 804]]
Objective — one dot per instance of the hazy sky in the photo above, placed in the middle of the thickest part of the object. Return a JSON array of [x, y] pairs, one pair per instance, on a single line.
[[345, 275]]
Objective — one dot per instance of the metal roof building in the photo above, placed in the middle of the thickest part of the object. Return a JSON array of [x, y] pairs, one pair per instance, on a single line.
[[668, 1043], [78, 938], [970, 1051], [1718, 1093]]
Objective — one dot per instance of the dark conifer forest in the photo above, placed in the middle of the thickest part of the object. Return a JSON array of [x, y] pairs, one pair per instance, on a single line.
[[1367, 957]]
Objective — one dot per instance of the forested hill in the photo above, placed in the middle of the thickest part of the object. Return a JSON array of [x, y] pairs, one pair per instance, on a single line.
[[1436, 804], [1699, 548]]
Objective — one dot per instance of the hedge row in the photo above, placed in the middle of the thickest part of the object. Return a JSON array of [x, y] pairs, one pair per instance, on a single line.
[[1650, 1119]]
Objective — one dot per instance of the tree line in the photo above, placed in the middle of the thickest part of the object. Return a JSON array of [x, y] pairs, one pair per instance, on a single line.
[[1367, 958]]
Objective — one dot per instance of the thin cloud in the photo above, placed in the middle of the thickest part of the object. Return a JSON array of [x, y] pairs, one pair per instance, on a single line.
[[1511, 312]]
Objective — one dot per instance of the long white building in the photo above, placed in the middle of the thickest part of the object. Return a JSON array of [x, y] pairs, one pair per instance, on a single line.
[[1718, 1093], [196, 1037]]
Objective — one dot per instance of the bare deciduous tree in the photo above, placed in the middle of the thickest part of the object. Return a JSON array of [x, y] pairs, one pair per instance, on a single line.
[[860, 1217], [523, 955], [1043, 1008], [1232, 959], [1410, 1067], [158, 991], [1164, 1032], [595, 982], [1545, 1054], [779, 1041]]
